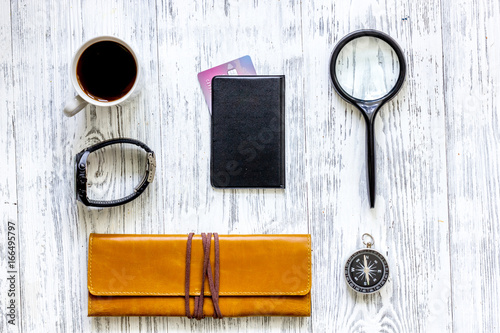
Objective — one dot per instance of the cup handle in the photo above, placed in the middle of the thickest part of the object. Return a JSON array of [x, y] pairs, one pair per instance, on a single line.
[[74, 105]]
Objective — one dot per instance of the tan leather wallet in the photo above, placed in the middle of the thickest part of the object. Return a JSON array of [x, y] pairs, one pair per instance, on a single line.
[[199, 275]]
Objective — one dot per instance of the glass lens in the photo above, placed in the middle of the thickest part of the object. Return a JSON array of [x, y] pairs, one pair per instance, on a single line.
[[367, 68], [114, 171]]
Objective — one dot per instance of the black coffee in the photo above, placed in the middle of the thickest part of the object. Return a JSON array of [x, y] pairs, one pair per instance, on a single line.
[[106, 71]]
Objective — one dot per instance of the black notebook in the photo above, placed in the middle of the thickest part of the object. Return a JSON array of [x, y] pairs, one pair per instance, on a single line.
[[248, 132]]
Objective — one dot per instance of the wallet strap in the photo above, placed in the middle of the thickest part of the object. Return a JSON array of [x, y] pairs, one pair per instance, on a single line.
[[213, 281], [188, 273]]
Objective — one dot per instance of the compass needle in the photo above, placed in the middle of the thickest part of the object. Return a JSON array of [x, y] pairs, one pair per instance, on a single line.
[[366, 270]]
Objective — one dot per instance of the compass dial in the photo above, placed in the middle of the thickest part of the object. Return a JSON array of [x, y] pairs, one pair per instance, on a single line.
[[366, 271]]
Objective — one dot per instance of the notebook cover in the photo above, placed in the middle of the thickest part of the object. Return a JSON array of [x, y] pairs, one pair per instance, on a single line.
[[248, 132]]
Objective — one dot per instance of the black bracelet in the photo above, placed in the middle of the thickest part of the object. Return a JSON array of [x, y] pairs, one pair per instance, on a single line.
[[81, 174]]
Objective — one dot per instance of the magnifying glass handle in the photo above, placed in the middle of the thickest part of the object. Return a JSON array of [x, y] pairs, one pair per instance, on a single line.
[[370, 161]]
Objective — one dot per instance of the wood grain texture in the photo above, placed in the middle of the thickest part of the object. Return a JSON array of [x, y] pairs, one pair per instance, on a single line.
[[472, 93], [438, 184], [196, 36], [48, 267], [134, 22], [411, 179], [8, 188]]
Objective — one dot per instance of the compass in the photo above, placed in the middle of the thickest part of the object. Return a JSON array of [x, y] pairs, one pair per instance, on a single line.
[[366, 270]]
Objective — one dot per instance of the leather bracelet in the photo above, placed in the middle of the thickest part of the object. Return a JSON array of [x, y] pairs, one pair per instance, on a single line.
[[81, 174]]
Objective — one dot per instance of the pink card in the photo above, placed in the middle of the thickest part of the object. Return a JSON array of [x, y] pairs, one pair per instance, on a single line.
[[240, 66]]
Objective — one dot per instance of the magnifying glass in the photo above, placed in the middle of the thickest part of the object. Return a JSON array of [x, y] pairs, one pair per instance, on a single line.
[[368, 68]]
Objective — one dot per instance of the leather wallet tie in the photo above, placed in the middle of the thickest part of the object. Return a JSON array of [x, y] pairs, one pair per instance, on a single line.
[[197, 277], [207, 271]]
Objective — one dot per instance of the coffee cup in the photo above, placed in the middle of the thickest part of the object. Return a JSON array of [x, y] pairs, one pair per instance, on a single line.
[[104, 72]]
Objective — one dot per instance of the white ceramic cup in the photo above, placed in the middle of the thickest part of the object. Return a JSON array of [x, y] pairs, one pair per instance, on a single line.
[[80, 101]]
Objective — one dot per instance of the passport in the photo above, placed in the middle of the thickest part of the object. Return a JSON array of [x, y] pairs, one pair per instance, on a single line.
[[248, 131]]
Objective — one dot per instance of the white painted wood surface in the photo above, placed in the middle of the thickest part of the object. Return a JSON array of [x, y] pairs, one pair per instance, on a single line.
[[438, 154]]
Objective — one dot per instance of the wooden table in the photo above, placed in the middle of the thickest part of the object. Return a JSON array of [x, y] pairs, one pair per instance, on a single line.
[[438, 157]]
